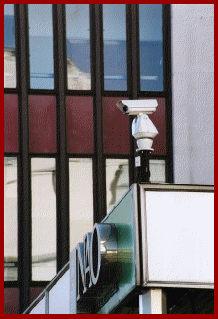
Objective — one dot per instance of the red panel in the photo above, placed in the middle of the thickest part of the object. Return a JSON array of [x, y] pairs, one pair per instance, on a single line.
[[11, 123], [35, 292], [80, 136], [159, 120], [42, 124], [11, 301], [116, 127]]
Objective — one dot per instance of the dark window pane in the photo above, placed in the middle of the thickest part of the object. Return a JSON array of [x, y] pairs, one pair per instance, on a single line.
[[10, 123], [78, 47], [116, 127], [81, 208], [159, 120], [42, 124], [151, 47], [35, 292], [11, 301], [117, 180], [41, 46], [10, 219], [114, 26], [43, 172], [9, 47], [80, 137]]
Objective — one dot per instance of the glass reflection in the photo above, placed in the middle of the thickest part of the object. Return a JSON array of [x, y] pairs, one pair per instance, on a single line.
[[10, 219], [78, 47], [117, 180], [41, 46], [81, 199], [157, 170], [43, 172], [114, 27], [151, 47], [9, 47]]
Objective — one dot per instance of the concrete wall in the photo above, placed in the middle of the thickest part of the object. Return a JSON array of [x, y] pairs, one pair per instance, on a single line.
[[193, 93]]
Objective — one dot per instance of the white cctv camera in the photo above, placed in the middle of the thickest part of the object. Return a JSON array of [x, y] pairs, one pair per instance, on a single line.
[[135, 107], [143, 129]]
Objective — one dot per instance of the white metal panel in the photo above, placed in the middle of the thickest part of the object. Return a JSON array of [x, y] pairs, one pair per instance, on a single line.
[[193, 93], [180, 237], [59, 296]]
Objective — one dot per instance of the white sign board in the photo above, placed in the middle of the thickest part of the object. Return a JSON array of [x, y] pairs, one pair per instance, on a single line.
[[177, 237]]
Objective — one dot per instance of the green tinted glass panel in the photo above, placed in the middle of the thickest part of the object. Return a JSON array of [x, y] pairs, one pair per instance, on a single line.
[[124, 217]]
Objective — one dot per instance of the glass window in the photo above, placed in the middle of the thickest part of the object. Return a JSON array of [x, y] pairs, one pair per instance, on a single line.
[[157, 171], [78, 47], [35, 292], [41, 46], [11, 123], [80, 130], [114, 33], [10, 219], [81, 199], [9, 47], [117, 180], [43, 172], [42, 124], [11, 301], [151, 47], [116, 127]]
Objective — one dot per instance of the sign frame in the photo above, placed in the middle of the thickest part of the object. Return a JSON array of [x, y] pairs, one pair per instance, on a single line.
[[144, 248]]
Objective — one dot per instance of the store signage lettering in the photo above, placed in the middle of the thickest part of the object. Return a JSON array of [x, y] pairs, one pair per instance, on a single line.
[[98, 249], [88, 266]]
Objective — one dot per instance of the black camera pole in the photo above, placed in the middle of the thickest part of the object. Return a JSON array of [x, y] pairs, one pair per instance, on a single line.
[[143, 171]]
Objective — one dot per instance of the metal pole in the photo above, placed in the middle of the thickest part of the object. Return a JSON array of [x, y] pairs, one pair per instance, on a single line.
[[143, 171], [73, 281], [153, 302]]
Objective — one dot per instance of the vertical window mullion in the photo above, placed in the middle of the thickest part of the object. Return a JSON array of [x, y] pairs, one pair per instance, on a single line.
[[133, 75], [99, 162], [135, 51], [62, 181], [24, 182], [130, 87], [168, 89]]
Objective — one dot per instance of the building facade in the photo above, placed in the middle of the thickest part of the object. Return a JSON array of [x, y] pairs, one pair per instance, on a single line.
[[69, 152]]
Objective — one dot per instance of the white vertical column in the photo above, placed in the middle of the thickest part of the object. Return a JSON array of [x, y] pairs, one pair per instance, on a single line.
[[153, 301], [73, 296], [193, 93]]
